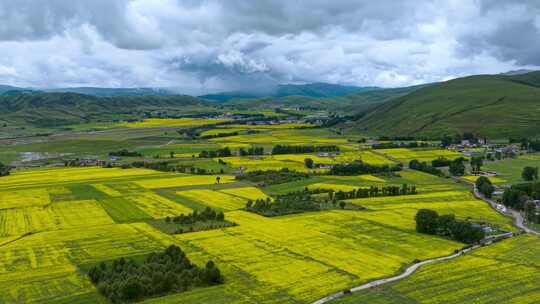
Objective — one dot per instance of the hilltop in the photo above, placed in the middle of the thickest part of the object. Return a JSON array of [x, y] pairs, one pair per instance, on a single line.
[[496, 106]]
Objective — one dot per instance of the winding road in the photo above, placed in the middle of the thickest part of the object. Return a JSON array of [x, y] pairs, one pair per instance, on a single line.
[[518, 222]]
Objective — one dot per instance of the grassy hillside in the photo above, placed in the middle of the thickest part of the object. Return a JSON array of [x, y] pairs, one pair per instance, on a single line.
[[496, 106], [351, 103], [55, 109]]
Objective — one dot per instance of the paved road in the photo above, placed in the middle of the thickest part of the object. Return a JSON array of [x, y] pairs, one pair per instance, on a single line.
[[409, 271], [518, 222]]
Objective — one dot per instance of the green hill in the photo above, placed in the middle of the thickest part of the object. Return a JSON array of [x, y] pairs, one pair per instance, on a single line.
[[496, 106], [57, 109], [348, 104]]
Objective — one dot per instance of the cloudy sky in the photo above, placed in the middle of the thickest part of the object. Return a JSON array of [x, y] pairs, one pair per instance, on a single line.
[[236, 44]]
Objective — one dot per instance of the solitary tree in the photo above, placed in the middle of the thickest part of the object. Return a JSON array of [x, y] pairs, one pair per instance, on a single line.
[[530, 173], [309, 163]]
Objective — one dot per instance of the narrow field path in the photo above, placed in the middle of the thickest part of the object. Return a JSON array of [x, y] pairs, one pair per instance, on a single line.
[[518, 222]]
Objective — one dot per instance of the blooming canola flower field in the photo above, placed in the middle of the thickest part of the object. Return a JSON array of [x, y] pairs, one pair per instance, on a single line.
[[54, 223]]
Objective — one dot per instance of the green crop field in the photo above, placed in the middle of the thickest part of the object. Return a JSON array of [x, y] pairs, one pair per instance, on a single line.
[[505, 272], [509, 171]]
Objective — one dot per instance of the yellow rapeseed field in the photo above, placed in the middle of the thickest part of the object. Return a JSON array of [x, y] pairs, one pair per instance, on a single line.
[[214, 199], [184, 181], [252, 193], [156, 205]]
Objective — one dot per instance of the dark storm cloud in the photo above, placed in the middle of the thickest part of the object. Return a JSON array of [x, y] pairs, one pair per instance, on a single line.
[[236, 43]]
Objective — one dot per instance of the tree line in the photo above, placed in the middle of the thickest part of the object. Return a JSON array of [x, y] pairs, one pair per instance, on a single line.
[[272, 177], [125, 153], [223, 152], [208, 214], [359, 167], [430, 222], [373, 191], [293, 202], [287, 149], [126, 280]]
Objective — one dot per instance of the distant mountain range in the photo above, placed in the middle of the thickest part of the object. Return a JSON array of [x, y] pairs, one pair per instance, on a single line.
[[313, 90]]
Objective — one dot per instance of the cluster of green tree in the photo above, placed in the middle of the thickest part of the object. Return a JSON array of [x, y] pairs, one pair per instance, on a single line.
[[293, 202], [359, 167], [4, 170], [424, 167], [530, 173], [251, 151], [285, 149], [372, 192], [532, 145], [196, 221], [448, 140], [165, 166], [126, 280], [208, 214], [223, 152], [218, 135], [457, 167], [476, 163], [484, 185], [391, 145], [519, 195], [440, 162], [125, 153], [272, 177], [430, 222]]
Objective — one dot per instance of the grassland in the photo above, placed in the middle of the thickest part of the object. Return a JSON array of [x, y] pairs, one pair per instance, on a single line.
[[509, 170], [505, 272]]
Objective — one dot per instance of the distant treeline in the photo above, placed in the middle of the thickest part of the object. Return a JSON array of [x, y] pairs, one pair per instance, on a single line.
[[223, 152], [359, 167], [251, 151], [531, 144], [218, 135], [271, 177], [168, 167], [430, 222], [125, 153], [285, 149], [126, 280], [390, 145]]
